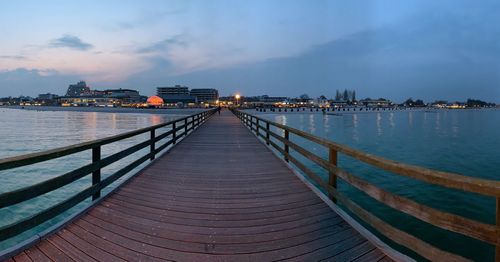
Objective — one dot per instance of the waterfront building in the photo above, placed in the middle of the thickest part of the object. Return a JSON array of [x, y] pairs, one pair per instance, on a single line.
[[205, 95], [338, 103], [381, 102], [174, 90], [46, 99], [266, 101], [176, 96], [180, 100], [78, 89], [456, 105], [47, 96], [126, 96], [321, 101], [81, 95], [301, 101], [89, 100]]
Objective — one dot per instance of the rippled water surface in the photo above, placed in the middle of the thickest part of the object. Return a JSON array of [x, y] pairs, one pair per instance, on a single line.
[[28, 131], [461, 141], [466, 142]]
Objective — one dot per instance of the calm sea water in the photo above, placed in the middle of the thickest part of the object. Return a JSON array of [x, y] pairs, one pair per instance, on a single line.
[[460, 141], [466, 142], [28, 131]]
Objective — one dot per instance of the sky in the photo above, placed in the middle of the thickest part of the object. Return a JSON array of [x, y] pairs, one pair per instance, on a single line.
[[448, 49]]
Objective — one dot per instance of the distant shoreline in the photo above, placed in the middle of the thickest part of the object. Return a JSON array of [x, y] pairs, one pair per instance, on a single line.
[[364, 111], [106, 109]]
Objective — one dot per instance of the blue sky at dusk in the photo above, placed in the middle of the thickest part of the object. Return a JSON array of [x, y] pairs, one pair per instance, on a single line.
[[394, 49]]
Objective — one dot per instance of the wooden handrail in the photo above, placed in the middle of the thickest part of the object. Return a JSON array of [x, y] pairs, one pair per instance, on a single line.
[[451, 180], [484, 232], [33, 158], [187, 124]]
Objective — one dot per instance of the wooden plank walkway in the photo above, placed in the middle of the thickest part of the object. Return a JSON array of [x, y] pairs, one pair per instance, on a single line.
[[219, 195]]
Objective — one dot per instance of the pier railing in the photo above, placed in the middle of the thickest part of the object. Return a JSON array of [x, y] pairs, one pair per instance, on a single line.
[[178, 128], [484, 232]]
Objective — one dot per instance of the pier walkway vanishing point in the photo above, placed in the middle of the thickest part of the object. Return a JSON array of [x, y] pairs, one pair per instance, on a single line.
[[219, 195]]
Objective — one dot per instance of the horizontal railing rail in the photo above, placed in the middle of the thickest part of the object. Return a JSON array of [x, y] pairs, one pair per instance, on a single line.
[[178, 128], [482, 231]]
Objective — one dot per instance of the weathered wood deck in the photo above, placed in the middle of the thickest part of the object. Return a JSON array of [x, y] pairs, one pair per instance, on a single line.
[[220, 195]]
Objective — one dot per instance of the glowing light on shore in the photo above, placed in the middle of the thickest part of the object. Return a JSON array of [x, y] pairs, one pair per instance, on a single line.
[[155, 101]]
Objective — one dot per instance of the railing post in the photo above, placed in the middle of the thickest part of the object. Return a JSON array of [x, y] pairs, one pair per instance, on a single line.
[[267, 133], [497, 248], [185, 126], [287, 150], [174, 135], [152, 147], [257, 126], [332, 177], [96, 175]]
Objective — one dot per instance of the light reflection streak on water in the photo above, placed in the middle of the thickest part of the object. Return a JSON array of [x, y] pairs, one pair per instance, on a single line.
[[391, 120], [438, 121], [355, 131], [312, 125], [410, 119], [379, 125]]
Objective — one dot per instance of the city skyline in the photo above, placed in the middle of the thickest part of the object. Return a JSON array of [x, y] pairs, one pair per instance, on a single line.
[[379, 48]]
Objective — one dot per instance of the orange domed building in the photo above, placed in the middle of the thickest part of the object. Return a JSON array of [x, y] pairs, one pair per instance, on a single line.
[[154, 101]]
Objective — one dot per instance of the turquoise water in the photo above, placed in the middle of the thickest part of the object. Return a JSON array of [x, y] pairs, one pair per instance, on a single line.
[[460, 141], [466, 142], [27, 131]]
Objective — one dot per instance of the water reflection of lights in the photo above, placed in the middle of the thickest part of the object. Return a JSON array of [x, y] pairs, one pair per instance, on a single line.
[[113, 120], [410, 119], [312, 127], [326, 124], [391, 120], [301, 121], [455, 125], [355, 132], [438, 121], [90, 122], [355, 120], [155, 120], [282, 119], [379, 124]]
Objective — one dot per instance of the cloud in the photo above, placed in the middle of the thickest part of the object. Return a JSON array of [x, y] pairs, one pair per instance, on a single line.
[[164, 45], [440, 57], [70, 41], [143, 20], [13, 57], [34, 81]]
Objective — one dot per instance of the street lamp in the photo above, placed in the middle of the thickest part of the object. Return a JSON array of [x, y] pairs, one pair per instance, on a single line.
[[237, 96]]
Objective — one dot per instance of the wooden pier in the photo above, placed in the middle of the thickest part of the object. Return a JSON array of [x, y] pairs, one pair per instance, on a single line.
[[220, 195]]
